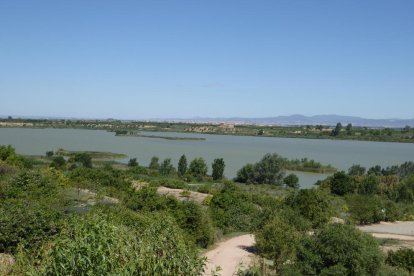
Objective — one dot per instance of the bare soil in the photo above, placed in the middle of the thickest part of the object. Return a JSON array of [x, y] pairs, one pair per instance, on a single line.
[[230, 256]]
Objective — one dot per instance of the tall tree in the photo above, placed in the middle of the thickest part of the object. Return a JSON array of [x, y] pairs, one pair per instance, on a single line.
[[198, 168], [166, 168], [154, 165], [218, 168], [336, 130], [182, 165]]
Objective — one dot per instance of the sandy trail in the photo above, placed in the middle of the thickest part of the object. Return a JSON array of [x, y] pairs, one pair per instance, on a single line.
[[400, 230], [229, 255]]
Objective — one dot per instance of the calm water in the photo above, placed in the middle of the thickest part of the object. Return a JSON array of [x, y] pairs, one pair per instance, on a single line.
[[236, 150]]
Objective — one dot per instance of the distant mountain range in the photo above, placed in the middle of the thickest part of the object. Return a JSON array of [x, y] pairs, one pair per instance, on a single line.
[[294, 120]]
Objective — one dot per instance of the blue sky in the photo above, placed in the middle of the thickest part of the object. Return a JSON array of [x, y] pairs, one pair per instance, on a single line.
[[147, 59]]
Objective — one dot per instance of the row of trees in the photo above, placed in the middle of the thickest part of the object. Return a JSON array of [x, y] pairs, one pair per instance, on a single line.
[[196, 168]]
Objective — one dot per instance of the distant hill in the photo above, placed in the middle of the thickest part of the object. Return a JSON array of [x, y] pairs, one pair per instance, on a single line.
[[329, 120]]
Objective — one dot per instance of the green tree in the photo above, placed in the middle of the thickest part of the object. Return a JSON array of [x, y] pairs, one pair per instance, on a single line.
[[365, 209], [82, 158], [133, 162], [269, 170], [342, 184], [356, 170], [166, 168], [58, 162], [154, 165], [245, 174], [218, 168], [292, 181], [49, 153], [182, 165], [375, 170], [277, 241], [198, 168], [369, 185], [339, 248], [337, 130], [312, 204]]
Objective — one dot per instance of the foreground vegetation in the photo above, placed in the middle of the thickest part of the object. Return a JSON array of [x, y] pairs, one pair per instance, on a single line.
[[126, 128], [76, 216]]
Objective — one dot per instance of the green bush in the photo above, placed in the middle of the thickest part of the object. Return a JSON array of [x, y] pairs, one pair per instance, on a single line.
[[91, 245], [231, 210], [26, 223], [277, 241], [341, 248], [312, 204], [403, 258]]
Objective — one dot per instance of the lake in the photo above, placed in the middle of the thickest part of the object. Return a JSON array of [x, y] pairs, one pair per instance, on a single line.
[[236, 150]]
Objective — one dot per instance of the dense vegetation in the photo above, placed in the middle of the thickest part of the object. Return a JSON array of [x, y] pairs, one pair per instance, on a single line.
[[72, 215]]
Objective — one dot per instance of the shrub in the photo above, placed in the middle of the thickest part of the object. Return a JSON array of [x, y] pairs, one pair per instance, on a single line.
[[291, 181], [91, 245], [313, 204], [26, 223], [341, 248], [277, 241], [403, 258]]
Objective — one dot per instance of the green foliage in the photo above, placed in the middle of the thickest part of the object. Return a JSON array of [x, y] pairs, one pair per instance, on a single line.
[[231, 210], [9, 156], [342, 184], [182, 165], [6, 152], [291, 181], [277, 241], [164, 251], [403, 258], [166, 168], [154, 165], [49, 153], [198, 168], [246, 174], [339, 248], [91, 245], [269, 170], [356, 170], [26, 223], [366, 209], [195, 222], [369, 185], [218, 168], [82, 159], [133, 162], [375, 170], [337, 130], [58, 162], [313, 204]]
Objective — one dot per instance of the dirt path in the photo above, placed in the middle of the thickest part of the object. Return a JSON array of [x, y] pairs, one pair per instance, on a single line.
[[393, 236], [400, 230], [229, 255]]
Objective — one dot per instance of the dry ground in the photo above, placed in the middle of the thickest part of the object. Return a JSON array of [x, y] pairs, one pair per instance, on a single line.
[[230, 255]]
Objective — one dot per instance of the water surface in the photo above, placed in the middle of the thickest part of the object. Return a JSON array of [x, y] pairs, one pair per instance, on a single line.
[[236, 150]]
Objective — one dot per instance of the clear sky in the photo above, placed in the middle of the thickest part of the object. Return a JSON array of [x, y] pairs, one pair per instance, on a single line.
[[147, 59]]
